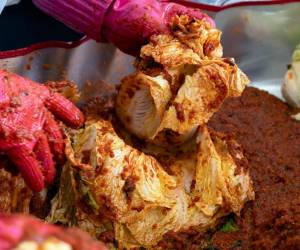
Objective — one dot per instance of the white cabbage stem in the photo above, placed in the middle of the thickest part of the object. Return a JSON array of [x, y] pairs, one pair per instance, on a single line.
[[150, 110], [49, 244], [141, 103]]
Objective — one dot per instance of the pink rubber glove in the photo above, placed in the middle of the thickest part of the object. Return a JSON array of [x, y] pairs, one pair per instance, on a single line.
[[15, 229], [125, 23], [29, 134]]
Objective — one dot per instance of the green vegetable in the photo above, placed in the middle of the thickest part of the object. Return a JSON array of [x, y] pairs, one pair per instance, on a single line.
[[296, 54], [229, 226], [63, 205], [236, 244], [91, 201], [209, 246], [87, 195]]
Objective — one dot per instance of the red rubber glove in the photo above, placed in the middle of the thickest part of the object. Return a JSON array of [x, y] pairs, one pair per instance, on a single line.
[[28, 132], [125, 23], [15, 229]]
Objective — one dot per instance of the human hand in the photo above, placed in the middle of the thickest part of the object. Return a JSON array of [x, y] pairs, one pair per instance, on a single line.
[[29, 134]]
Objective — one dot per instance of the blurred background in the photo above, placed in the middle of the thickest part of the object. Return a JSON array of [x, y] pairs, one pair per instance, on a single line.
[[260, 37]]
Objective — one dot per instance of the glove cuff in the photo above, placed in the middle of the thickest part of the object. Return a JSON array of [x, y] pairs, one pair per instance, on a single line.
[[83, 16]]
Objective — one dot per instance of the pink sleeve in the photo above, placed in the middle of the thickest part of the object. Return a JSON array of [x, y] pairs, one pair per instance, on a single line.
[[129, 23], [125, 23], [84, 16]]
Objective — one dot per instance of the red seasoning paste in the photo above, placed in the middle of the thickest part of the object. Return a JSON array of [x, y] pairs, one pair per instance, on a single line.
[[263, 126]]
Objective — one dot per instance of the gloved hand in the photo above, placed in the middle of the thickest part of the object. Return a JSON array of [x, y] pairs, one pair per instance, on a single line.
[[20, 231], [29, 135], [125, 23]]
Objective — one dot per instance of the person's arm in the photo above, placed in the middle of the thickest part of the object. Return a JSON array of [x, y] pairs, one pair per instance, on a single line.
[[125, 23]]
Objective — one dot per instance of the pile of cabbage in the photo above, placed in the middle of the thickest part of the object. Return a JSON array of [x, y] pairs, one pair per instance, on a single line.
[[154, 167]]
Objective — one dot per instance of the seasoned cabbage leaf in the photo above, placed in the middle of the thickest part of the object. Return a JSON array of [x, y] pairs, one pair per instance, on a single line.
[[180, 82], [144, 198], [180, 175]]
